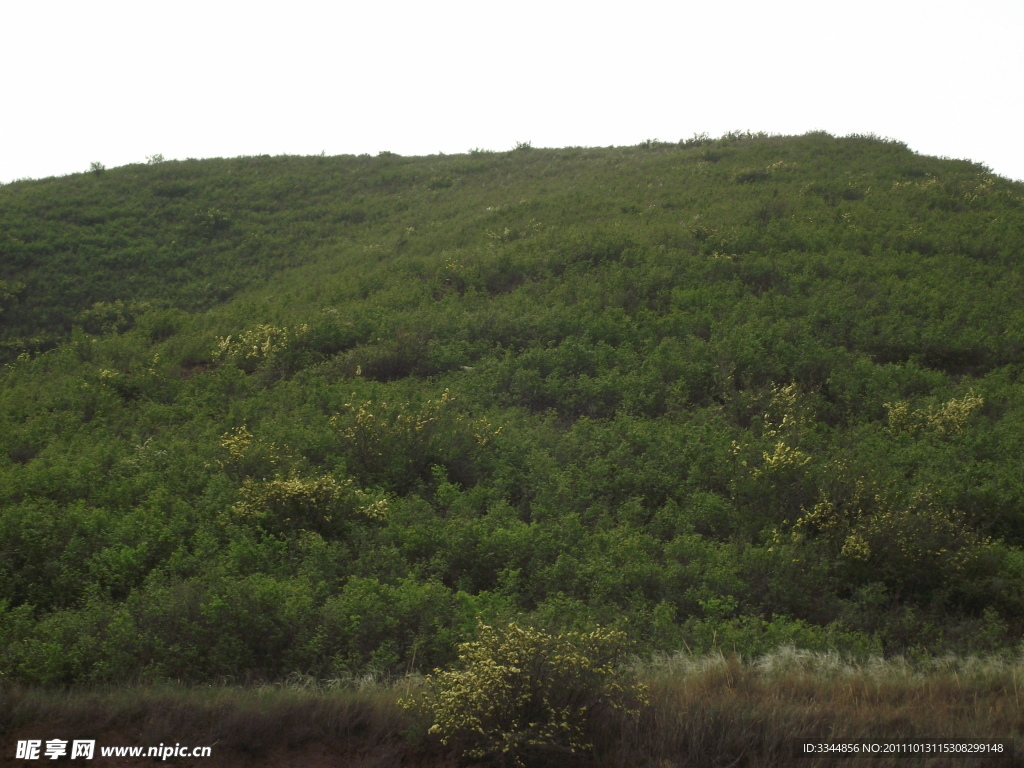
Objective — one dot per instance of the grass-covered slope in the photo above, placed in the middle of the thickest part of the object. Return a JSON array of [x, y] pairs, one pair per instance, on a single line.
[[269, 415]]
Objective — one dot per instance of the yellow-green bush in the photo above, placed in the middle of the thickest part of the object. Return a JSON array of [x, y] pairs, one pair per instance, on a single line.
[[946, 420], [262, 345], [518, 692], [394, 443], [294, 502]]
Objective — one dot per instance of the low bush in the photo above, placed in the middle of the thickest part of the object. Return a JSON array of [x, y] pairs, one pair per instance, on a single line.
[[522, 693]]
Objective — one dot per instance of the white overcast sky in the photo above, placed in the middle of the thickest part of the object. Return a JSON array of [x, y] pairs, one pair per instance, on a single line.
[[114, 82]]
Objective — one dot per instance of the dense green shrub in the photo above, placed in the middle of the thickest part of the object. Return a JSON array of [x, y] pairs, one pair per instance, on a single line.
[[396, 443], [387, 628]]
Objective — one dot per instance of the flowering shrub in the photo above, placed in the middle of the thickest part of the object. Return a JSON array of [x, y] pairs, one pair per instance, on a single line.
[[259, 346], [246, 457], [783, 424], [283, 502], [946, 420], [397, 442], [521, 691], [294, 502]]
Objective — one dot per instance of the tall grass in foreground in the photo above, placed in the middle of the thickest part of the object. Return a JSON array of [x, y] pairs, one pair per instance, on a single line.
[[358, 719], [704, 711], [720, 710]]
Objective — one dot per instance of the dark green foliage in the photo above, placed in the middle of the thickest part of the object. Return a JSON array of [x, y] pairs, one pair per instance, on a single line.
[[277, 414]]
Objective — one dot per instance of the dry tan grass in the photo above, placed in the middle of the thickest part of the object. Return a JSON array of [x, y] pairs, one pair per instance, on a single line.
[[719, 710], [251, 719], [711, 710]]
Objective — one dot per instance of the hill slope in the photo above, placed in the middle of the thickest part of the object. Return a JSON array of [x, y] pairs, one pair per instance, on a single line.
[[321, 414]]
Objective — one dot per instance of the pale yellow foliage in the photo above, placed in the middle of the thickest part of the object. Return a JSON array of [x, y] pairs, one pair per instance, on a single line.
[[783, 457], [856, 548], [823, 516], [519, 690], [915, 530], [245, 454], [945, 420], [783, 423], [377, 427], [237, 442], [258, 344], [296, 501]]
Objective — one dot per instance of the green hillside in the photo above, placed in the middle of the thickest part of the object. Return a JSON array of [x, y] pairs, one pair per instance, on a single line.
[[270, 415]]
